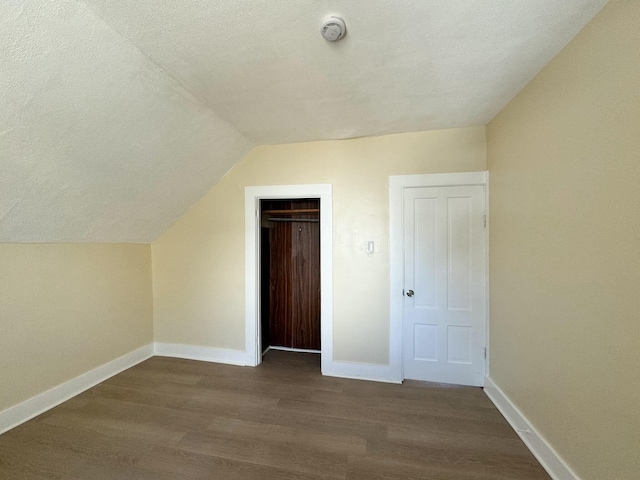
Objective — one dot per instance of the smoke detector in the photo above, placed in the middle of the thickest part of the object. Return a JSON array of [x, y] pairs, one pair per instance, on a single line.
[[333, 28]]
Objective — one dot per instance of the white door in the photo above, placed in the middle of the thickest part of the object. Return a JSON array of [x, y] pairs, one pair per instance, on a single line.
[[444, 284]]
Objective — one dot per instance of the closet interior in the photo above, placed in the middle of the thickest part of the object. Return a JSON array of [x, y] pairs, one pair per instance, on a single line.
[[290, 274]]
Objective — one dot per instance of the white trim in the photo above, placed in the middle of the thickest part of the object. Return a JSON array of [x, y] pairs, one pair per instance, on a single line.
[[439, 179], [552, 462], [252, 197], [34, 406], [396, 273], [204, 354], [487, 317], [363, 371], [397, 184]]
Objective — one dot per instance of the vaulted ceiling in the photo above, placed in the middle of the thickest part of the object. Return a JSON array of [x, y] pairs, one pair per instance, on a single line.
[[117, 115]]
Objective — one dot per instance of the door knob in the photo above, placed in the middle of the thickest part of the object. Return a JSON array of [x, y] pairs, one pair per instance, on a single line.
[[409, 293]]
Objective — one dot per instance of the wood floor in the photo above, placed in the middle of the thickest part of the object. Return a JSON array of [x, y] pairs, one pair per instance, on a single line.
[[180, 419]]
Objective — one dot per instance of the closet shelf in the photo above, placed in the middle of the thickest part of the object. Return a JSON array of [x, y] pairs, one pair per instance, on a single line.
[[298, 220], [292, 212]]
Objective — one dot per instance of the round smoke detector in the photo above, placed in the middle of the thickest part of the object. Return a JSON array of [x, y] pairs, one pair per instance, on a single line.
[[333, 28]]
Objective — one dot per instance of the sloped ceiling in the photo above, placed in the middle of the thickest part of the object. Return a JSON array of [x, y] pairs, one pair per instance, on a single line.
[[117, 115]]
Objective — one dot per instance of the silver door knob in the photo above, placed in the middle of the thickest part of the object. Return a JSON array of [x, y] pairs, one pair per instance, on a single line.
[[409, 293]]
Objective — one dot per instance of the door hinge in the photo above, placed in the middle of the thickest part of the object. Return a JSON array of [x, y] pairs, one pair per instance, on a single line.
[[485, 221], [484, 352]]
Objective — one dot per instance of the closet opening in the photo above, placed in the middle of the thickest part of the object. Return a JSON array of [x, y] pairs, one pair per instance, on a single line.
[[290, 275]]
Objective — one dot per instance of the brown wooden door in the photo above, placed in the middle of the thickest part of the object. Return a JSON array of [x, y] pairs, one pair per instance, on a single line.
[[305, 308], [294, 275], [280, 282]]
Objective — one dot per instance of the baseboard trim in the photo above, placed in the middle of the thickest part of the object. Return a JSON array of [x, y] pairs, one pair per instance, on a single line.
[[34, 406], [204, 354], [361, 371], [552, 462], [22, 412]]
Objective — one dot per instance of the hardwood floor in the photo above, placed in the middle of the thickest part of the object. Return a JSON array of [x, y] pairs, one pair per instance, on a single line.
[[179, 419]]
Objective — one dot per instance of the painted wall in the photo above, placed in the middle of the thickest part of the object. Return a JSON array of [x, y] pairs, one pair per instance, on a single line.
[[564, 168], [198, 264], [68, 308]]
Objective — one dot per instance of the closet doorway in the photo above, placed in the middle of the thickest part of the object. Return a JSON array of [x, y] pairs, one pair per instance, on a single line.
[[290, 296], [253, 195]]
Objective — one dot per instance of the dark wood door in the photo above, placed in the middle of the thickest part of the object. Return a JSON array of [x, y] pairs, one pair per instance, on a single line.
[[280, 282], [305, 308], [294, 274]]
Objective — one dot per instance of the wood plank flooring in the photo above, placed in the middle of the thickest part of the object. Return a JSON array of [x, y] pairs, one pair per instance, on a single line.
[[179, 419]]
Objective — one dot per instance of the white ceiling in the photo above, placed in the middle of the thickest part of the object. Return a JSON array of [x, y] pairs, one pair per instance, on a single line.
[[117, 115]]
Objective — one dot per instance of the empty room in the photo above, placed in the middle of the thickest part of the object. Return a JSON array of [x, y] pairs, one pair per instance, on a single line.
[[320, 240]]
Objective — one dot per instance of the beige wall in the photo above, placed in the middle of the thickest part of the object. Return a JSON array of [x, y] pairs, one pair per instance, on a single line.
[[564, 162], [66, 309], [198, 264]]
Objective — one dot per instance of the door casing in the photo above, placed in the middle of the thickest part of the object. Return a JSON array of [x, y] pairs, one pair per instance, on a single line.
[[253, 195], [397, 184]]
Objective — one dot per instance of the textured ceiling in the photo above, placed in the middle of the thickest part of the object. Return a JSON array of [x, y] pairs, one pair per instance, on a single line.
[[116, 116]]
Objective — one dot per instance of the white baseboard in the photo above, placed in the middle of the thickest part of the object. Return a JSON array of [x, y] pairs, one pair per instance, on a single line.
[[34, 406], [553, 463], [361, 371], [20, 413], [205, 354]]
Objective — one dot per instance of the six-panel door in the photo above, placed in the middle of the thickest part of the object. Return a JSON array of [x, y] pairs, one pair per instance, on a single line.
[[444, 266]]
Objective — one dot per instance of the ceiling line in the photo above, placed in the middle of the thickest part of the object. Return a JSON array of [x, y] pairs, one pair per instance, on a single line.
[[185, 91]]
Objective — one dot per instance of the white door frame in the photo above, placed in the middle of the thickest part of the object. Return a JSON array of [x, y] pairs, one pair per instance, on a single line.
[[252, 197], [397, 184]]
